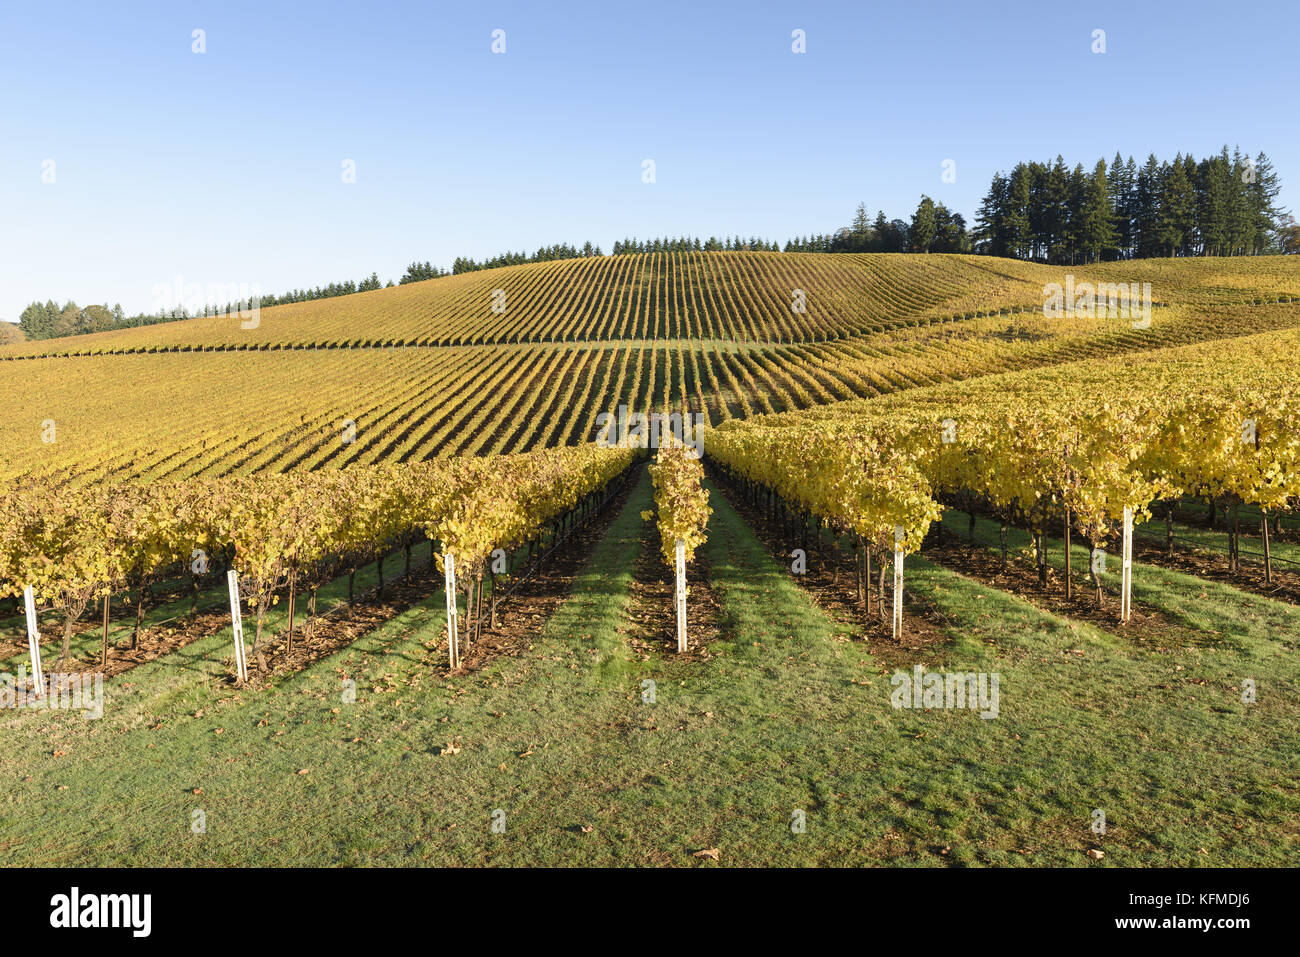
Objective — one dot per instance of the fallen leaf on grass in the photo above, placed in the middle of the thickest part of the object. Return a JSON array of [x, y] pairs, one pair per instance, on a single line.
[[709, 852]]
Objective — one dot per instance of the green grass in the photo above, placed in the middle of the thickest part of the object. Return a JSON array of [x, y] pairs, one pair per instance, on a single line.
[[790, 715], [330, 597], [1208, 612], [1197, 537]]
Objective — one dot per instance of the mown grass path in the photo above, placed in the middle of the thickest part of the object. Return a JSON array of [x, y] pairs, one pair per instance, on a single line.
[[587, 766]]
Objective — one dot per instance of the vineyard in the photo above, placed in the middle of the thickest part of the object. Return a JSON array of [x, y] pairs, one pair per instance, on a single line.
[[188, 400], [701, 297], [427, 460], [1059, 448]]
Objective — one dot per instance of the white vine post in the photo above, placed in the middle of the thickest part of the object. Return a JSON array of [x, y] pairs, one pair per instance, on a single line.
[[1126, 590], [237, 625], [899, 535], [681, 595], [453, 639], [34, 640]]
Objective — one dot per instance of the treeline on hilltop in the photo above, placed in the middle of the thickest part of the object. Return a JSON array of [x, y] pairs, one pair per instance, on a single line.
[[464, 264], [686, 244], [934, 229], [1223, 205], [49, 320]]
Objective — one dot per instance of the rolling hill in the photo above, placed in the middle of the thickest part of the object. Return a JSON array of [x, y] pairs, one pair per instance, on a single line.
[[429, 369]]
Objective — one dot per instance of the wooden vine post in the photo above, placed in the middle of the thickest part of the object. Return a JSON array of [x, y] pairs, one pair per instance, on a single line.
[[139, 616], [899, 535], [866, 579], [681, 595], [293, 596], [1126, 586], [478, 605], [34, 641], [1069, 581], [103, 654], [237, 626], [1236, 539], [1268, 554], [453, 645]]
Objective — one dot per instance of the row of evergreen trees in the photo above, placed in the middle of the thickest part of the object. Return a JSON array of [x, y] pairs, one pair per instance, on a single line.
[[463, 264], [686, 244], [1224, 205], [934, 229], [49, 320], [419, 272], [345, 288]]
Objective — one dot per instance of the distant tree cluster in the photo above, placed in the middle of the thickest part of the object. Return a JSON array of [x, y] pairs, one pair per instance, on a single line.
[[684, 244], [331, 291], [934, 229], [463, 264], [419, 272], [1224, 205], [50, 321], [1288, 236]]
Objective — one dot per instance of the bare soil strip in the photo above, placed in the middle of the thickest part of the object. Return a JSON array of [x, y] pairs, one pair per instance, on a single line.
[[520, 617], [653, 615]]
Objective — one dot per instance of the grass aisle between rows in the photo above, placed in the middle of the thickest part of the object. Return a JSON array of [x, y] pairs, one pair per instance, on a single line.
[[296, 774], [587, 766], [1161, 742], [1212, 611]]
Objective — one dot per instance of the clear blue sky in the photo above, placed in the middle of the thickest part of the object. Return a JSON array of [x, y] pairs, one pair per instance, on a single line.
[[226, 166]]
